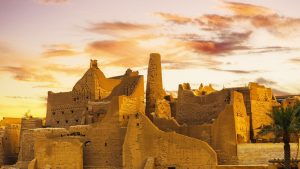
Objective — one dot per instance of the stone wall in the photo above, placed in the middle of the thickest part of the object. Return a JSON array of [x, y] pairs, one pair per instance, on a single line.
[[169, 149], [195, 110], [260, 153], [2, 155], [67, 108], [261, 104], [104, 149], [63, 153], [230, 128], [28, 139], [11, 143]]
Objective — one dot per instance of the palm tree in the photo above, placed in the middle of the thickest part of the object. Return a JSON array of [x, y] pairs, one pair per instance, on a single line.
[[285, 123]]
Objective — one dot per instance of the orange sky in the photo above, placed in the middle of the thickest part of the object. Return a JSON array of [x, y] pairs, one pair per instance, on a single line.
[[47, 44]]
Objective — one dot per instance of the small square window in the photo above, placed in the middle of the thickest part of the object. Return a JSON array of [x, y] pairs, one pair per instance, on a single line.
[[53, 113], [57, 122], [67, 121]]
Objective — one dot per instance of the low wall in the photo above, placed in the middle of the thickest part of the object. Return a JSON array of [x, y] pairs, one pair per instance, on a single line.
[[261, 153], [242, 167]]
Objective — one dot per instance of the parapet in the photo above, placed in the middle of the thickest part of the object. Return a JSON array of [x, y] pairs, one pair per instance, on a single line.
[[93, 64]]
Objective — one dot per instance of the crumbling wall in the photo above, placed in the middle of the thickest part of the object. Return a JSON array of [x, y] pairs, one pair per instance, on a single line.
[[195, 110], [201, 132], [63, 153], [230, 128], [11, 143], [169, 149], [28, 139], [2, 155], [261, 104], [103, 147], [67, 108]]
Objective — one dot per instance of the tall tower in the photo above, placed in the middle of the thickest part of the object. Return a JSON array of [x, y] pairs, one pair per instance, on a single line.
[[154, 89]]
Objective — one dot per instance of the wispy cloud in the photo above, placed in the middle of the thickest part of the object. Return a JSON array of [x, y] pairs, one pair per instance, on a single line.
[[28, 75], [59, 50], [112, 27], [52, 1], [235, 71], [227, 44], [65, 69], [262, 80], [18, 97], [244, 9], [119, 52], [174, 18], [295, 60]]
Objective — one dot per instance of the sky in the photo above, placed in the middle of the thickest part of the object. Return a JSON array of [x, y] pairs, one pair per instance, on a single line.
[[46, 45]]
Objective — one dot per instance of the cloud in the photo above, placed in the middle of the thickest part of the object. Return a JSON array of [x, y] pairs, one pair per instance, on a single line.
[[65, 69], [295, 60], [183, 63], [18, 97], [235, 71], [59, 50], [113, 27], [244, 9], [262, 80], [277, 92], [119, 52], [277, 25], [28, 75], [174, 18], [228, 43], [214, 21], [262, 17], [52, 1]]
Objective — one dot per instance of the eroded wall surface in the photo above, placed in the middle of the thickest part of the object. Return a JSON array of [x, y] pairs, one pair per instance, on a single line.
[[10, 140], [230, 128], [28, 139], [67, 108], [154, 89], [63, 153], [169, 149], [195, 110], [261, 100]]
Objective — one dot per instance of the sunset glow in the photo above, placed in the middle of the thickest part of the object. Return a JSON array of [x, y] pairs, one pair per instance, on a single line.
[[46, 45]]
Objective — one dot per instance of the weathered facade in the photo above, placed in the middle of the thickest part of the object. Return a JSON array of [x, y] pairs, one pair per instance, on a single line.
[[105, 123]]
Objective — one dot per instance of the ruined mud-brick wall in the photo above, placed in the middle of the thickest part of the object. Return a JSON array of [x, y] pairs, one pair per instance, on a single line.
[[194, 110], [67, 108], [65, 152], [230, 128], [11, 143], [202, 132], [154, 89], [30, 123], [28, 139], [10, 139], [2, 132], [105, 139], [261, 104], [96, 112], [144, 141], [64, 109]]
